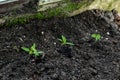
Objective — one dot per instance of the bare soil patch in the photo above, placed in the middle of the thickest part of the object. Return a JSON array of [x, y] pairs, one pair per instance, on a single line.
[[86, 60]]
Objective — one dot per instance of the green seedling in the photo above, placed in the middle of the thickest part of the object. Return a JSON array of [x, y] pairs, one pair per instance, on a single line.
[[97, 37], [63, 41], [32, 50]]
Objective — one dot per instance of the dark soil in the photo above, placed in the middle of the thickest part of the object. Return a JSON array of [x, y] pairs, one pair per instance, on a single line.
[[27, 8], [86, 60]]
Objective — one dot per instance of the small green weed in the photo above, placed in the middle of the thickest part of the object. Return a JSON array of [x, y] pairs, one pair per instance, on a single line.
[[32, 50], [97, 37], [63, 41]]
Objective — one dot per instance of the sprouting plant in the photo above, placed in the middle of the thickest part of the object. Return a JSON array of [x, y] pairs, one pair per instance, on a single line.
[[63, 41], [97, 37], [32, 50]]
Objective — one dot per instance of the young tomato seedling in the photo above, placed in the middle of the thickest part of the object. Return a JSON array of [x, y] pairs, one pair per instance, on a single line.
[[97, 37], [32, 50], [63, 41]]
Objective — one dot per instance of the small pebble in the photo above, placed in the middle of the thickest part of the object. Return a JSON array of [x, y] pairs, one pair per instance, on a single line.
[[21, 39], [24, 36], [54, 43], [106, 38], [42, 32], [44, 39], [108, 33]]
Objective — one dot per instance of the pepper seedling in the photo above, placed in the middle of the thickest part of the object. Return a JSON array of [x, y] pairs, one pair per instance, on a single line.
[[63, 41], [32, 50], [97, 37]]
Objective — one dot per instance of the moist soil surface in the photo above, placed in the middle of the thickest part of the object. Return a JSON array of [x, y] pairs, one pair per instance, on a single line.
[[86, 60]]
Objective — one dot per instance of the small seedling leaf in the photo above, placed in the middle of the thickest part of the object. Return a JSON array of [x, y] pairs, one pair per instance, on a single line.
[[33, 48], [25, 49], [40, 52], [30, 52], [96, 36], [60, 40], [36, 53], [93, 35], [70, 43], [64, 39]]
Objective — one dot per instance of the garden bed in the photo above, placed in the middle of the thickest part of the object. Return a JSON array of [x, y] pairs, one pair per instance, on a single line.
[[86, 60]]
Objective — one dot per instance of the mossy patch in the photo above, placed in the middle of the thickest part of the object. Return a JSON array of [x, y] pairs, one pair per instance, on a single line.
[[66, 8], [54, 12]]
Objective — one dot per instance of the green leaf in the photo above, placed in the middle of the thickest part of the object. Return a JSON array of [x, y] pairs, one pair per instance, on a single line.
[[33, 48], [70, 43], [38, 53], [93, 35], [60, 40], [25, 49], [30, 52], [96, 36], [64, 39]]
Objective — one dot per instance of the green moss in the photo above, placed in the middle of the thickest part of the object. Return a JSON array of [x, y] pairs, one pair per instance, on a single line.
[[39, 15], [63, 10], [54, 12], [71, 6], [67, 9], [13, 21]]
